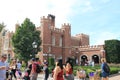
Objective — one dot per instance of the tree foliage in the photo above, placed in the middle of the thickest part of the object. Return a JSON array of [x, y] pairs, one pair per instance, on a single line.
[[23, 38], [2, 26], [112, 48]]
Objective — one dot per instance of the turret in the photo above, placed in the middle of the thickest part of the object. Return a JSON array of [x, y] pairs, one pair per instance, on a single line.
[[67, 34], [67, 39], [46, 33]]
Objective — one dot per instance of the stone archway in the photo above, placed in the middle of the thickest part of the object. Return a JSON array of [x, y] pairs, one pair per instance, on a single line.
[[84, 58], [95, 58]]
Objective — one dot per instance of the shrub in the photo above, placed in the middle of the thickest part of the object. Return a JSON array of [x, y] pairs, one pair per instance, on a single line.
[[113, 69], [51, 61]]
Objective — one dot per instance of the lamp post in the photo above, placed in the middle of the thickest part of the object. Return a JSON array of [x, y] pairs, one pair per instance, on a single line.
[[34, 45]]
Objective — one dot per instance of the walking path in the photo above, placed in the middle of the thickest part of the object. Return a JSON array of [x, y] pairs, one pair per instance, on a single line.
[[112, 77], [115, 77]]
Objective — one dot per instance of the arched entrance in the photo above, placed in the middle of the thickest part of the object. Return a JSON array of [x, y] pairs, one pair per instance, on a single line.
[[84, 60], [95, 58]]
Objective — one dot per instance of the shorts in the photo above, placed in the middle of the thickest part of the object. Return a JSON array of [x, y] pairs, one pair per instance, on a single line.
[[104, 75]]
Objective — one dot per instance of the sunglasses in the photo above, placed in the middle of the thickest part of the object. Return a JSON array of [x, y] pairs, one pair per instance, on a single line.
[[5, 57]]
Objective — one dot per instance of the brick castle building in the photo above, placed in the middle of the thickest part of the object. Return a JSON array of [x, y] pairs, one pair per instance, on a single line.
[[59, 44]]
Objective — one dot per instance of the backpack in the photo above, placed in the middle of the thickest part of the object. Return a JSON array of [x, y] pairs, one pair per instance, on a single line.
[[106, 68], [38, 68]]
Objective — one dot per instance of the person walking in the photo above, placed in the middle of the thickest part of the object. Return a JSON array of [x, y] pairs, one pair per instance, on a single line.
[[27, 72], [13, 67], [3, 67], [46, 71], [33, 73], [69, 71], [58, 71], [104, 73], [18, 70]]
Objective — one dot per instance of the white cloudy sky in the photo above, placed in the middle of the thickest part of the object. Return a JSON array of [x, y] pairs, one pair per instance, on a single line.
[[100, 19]]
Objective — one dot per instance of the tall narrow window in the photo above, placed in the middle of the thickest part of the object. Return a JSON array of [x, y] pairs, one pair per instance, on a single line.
[[60, 44], [53, 40]]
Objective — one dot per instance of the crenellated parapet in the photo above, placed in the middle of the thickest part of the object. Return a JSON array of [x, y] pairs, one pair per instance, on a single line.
[[44, 19], [84, 39], [49, 21], [66, 28], [81, 34], [93, 47], [75, 38], [57, 30], [66, 25]]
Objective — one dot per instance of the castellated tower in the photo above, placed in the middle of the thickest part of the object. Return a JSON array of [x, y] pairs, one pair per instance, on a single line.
[[66, 39], [46, 26], [84, 39]]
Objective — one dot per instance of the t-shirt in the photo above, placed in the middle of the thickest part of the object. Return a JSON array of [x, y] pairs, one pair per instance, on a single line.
[[3, 72], [34, 67], [102, 65], [18, 66]]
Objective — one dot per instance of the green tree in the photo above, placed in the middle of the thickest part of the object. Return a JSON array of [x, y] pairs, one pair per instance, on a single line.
[[2, 26], [23, 38], [112, 48]]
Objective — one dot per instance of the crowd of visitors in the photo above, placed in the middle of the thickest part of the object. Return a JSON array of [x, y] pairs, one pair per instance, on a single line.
[[11, 70]]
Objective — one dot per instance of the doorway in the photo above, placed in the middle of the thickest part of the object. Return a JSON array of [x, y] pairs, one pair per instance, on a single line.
[[95, 58], [84, 60]]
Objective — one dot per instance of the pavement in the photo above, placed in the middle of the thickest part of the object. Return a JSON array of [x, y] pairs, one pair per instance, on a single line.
[[112, 77], [41, 77], [115, 77]]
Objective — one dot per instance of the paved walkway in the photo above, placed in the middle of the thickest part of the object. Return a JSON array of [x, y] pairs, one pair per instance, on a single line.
[[115, 77], [112, 77]]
